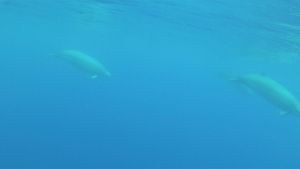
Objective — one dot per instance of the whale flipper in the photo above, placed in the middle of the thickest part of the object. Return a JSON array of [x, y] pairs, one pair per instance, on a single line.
[[94, 76]]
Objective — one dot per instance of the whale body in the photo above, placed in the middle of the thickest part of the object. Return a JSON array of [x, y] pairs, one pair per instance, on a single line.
[[272, 91], [85, 62]]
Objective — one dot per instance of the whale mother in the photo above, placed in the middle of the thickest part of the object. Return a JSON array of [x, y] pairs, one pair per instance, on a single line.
[[272, 91], [86, 63]]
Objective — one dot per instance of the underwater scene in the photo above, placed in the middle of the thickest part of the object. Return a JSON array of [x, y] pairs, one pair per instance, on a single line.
[[146, 84]]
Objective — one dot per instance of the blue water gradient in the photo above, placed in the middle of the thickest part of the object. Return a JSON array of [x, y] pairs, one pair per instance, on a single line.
[[167, 103]]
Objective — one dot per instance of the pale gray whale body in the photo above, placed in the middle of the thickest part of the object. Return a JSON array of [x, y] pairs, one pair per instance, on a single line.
[[86, 63], [272, 91]]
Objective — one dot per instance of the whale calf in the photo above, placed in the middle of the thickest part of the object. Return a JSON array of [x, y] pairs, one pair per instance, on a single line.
[[86, 63], [271, 90]]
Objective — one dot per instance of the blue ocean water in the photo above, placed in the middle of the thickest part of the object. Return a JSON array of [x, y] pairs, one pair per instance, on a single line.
[[167, 103]]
